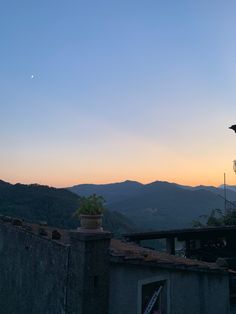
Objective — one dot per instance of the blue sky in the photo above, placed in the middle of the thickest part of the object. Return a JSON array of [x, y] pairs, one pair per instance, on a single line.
[[141, 90]]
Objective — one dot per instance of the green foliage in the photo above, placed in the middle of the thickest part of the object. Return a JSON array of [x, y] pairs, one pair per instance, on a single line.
[[217, 218], [36, 203], [230, 219], [90, 205]]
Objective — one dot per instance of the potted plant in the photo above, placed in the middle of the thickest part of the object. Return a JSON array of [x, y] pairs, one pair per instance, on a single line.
[[90, 211]]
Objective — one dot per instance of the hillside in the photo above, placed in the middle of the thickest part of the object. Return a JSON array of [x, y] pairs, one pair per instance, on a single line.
[[159, 204], [55, 206], [131, 205], [111, 192]]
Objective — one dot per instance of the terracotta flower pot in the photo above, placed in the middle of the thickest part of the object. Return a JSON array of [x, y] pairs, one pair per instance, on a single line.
[[91, 221]]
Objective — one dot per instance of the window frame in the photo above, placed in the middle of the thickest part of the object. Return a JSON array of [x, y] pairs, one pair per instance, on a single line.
[[150, 280]]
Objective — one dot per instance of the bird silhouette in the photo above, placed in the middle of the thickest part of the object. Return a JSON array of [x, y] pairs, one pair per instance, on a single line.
[[233, 127]]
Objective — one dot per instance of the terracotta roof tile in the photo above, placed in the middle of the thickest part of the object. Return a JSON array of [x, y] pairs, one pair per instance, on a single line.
[[131, 252]]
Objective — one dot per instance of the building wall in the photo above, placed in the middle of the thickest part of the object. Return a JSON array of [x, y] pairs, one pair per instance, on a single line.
[[187, 292], [42, 276], [33, 273]]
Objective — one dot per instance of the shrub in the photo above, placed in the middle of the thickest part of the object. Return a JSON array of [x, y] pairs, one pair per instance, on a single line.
[[90, 205]]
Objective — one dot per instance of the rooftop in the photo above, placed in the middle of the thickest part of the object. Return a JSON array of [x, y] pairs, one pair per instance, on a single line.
[[120, 251], [127, 252], [41, 229]]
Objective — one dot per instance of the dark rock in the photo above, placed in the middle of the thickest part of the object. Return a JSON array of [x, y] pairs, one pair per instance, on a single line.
[[56, 235], [17, 222]]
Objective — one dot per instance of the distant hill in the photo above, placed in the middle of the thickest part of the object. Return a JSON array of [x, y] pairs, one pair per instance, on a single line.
[[229, 187], [56, 206], [4, 184], [132, 206], [36, 202], [158, 205], [111, 192]]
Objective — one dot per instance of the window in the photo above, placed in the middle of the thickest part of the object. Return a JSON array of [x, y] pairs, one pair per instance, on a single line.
[[153, 297]]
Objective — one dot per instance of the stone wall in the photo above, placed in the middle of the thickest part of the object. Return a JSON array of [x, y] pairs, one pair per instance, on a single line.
[[33, 273], [41, 276]]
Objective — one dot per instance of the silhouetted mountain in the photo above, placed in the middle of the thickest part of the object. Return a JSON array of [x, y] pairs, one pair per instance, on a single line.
[[159, 205], [118, 223], [4, 184], [230, 192], [36, 202], [111, 192], [56, 206], [229, 187]]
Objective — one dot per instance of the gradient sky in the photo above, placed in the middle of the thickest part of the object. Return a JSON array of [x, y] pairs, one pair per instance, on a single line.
[[104, 91]]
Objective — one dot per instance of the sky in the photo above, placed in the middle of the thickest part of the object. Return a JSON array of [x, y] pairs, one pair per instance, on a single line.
[[109, 90]]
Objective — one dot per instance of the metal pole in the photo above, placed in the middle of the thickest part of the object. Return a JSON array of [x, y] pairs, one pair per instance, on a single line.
[[225, 193]]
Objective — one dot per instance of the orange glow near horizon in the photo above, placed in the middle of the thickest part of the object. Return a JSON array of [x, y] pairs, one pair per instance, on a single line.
[[192, 179], [69, 183], [144, 162]]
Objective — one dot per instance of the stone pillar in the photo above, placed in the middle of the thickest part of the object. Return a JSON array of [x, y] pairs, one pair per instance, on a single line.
[[170, 246], [88, 273]]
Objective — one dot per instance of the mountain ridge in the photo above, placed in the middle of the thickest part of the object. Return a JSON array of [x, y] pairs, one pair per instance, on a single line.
[[159, 204], [156, 205], [34, 203]]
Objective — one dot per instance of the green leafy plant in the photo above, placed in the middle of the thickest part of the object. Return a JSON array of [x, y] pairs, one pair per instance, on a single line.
[[216, 218], [90, 205]]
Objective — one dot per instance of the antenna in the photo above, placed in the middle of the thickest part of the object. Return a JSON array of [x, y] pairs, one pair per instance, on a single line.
[[225, 193]]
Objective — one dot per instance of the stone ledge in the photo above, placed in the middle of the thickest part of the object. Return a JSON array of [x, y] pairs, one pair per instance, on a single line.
[[89, 234]]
